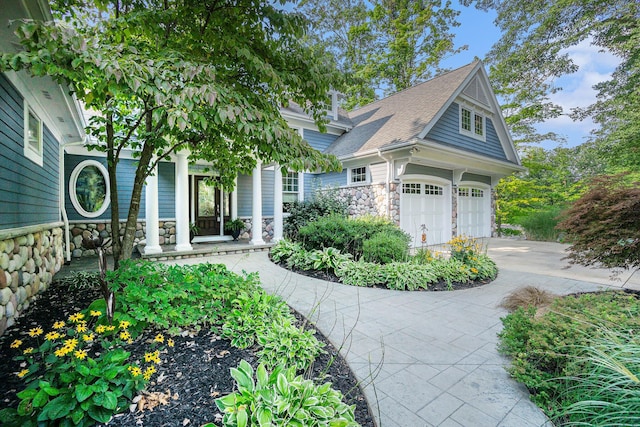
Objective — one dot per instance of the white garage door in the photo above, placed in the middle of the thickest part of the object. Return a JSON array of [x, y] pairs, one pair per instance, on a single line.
[[474, 212], [426, 204]]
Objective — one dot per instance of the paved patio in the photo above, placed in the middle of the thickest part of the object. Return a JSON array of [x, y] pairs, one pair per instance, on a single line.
[[430, 358]]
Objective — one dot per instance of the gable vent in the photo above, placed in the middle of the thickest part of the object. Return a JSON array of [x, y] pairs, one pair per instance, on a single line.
[[475, 90], [46, 94], [60, 119]]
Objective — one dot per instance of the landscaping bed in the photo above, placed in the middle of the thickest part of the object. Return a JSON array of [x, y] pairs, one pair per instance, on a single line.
[[195, 369]]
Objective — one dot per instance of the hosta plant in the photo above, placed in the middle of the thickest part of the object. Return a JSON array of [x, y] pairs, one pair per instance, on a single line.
[[284, 343], [282, 399]]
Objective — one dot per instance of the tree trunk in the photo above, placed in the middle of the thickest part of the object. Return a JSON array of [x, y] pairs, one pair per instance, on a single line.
[[112, 164]]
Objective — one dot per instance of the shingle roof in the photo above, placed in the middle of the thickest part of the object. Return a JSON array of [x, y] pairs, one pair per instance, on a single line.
[[343, 116], [401, 116]]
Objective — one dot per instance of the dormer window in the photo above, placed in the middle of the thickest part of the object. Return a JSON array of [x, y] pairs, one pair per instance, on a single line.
[[332, 105], [472, 123]]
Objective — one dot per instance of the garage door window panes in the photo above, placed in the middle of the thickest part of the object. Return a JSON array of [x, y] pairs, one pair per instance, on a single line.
[[411, 188], [433, 190], [477, 193]]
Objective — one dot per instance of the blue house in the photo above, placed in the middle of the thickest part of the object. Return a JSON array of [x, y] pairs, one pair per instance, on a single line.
[[427, 157]]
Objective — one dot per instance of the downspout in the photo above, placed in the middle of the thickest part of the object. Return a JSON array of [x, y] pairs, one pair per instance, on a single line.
[[387, 184], [61, 193]]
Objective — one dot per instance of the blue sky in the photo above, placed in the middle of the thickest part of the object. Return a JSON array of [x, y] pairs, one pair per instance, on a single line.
[[478, 31]]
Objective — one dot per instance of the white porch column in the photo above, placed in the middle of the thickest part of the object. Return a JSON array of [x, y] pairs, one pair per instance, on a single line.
[[234, 199], [151, 214], [277, 204], [256, 205], [182, 202]]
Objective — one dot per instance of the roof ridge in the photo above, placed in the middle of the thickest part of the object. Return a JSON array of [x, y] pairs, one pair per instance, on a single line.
[[416, 85]]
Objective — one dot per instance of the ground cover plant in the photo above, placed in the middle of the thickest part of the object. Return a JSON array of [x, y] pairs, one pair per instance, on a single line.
[[86, 369], [373, 251], [578, 357]]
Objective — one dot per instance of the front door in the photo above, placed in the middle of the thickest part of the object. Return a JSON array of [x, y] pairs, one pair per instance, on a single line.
[[212, 207]]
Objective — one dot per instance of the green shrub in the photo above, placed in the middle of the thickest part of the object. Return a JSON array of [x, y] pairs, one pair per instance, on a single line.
[[301, 259], [386, 247], [173, 297], [361, 273], [541, 225], [322, 203], [408, 276], [451, 270], [283, 343], [345, 234], [546, 349], [481, 267], [282, 399], [328, 259], [282, 250]]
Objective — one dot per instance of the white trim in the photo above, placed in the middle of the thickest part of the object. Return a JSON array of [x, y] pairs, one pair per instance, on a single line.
[[367, 175], [73, 180], [35, 156]]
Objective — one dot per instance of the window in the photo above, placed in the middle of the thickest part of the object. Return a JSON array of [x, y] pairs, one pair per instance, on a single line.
[[290, 190], [89, 189], [32, 135], [472, 123], [463, 192], [466, 120], [475, 192], [359, 175], [433, 190], [411, 188]]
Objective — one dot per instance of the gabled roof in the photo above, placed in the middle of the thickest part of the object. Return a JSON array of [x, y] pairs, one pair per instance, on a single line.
[[403, 116], [295, 110]]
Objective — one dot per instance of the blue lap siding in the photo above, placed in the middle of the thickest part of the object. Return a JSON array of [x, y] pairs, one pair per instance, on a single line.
[[29, 194]]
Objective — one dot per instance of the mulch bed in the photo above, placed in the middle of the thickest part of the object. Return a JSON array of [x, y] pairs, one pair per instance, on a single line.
[[191, 376]]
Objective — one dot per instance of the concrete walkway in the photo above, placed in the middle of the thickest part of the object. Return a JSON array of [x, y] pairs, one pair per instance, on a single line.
[[430, 358]]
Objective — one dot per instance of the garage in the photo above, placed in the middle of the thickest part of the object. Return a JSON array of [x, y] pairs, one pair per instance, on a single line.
[[474, 211], [428, 204]]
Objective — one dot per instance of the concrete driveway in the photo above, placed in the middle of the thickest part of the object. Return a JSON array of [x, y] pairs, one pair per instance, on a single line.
[[430, 358]]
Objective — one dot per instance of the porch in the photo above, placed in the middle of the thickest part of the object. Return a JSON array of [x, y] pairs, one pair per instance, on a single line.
[[204, 249]]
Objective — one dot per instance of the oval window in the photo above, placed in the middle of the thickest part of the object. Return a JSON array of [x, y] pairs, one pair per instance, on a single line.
[[89, 188]]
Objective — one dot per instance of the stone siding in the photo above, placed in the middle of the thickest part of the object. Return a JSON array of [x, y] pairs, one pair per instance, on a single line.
[[362, 200], [27, 265], [79, 231], [267, 229]]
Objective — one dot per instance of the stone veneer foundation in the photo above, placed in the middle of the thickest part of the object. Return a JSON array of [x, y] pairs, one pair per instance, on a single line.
[[28, 261]]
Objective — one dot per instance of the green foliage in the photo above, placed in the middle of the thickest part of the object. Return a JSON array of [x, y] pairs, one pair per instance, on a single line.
[[328, 259], [408, 276], [283, 343], [282, 250], [345, 234], [159, 91], [546, 349], [386, 247], [280, 399], [81, 280], [464, 248], [541, 225], [301, 260], [173, 297], [606, 390], [604, 224], [234, 225], [76, 375], [361, 273], [250, 315], [322, 203]]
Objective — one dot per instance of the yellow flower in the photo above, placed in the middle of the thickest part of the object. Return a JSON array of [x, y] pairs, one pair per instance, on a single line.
[[62, 351], [159, 338], [80, 354], [148, 372], [34, 332], [125, 335], [76, 317], [100, 329], [82, 327], [152, 357], [58, 325], [23, 373], [124, 324], [28, 350], [16, 344], [87, 337], [170, 342], [474, 270], [95, 313], [71, 343], [135, 371], [52, 336], [111, 328]]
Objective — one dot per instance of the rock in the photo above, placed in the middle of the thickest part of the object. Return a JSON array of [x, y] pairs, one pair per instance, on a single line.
[[4, 261], [4, 279], [30, 239], [1, 313], [10, 321], [104, 234], [9, 244], [5, 296], [77, 253], [172, 239], [162, 232], [9, 309], [3, 325], [26, 278], [21, 241], [29, 290], [15, 281], [21, 295]]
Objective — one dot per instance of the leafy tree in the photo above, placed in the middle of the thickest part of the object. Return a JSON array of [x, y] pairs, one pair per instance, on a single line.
[[532, 54], [207, 75], [384, 45], [604, 224]]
